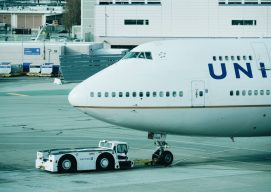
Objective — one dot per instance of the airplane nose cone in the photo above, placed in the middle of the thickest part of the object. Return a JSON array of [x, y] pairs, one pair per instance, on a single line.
[[77, 97]]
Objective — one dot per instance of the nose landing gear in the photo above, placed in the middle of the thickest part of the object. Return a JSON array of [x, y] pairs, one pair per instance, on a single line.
[[162, 155]]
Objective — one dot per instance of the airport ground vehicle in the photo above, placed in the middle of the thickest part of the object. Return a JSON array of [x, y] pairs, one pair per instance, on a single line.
[[108, 155]]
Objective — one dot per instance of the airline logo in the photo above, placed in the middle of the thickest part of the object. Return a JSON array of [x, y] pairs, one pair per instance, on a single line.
[[240, 71]]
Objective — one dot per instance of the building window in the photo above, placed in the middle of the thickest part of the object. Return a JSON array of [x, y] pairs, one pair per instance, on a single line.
[[243, 22], [136, 22], [244, 2]]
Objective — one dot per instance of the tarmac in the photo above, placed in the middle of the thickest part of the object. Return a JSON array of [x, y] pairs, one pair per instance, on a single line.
[[35, 114]]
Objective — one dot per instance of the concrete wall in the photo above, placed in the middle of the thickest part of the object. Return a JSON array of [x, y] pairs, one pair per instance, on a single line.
[[43, 52], [35, 53]]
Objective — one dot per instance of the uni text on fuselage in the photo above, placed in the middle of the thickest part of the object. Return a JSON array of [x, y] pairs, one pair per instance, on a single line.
[[240, 71]]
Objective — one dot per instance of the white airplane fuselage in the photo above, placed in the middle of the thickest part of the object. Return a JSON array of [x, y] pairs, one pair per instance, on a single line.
[[200, 87]]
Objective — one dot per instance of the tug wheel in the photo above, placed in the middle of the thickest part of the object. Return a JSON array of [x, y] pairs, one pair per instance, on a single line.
[[105, 162], [67, 164]]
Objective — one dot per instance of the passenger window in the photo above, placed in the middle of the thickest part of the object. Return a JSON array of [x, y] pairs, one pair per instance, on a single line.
[[255, 92], [244, 92], [201, 93], [174, 94], [250, 57], [120, 94], [226, 58], [140, 94], [127, 94], [99, 94], [113, 94], [91, 94], [244, 58], [180, 93], [231, 93], [134, 94], [249, 92], [261, 92], [238, 58], [232, 58], [106, 94], [267, 92], [214, 58], [167, 94], [161, 94], [154, 94], [220, 58], [237, 93], [148, 94]]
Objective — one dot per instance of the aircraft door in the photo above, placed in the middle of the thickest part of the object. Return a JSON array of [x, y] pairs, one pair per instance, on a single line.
[[261, 54], [198, 93]]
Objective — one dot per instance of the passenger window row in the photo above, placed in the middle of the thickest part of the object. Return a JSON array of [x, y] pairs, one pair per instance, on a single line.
[[233, 58], [249, 92], [138, 94]]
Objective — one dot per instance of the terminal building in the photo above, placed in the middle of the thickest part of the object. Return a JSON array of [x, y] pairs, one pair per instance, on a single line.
[[29, 17], [127, 23]]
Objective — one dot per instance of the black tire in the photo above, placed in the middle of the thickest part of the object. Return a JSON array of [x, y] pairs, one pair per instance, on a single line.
[[156, 157], [166, 158], [67, 164], [105, 162]]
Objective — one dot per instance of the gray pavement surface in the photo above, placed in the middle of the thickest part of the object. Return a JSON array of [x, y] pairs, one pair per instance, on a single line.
[[35, 115]]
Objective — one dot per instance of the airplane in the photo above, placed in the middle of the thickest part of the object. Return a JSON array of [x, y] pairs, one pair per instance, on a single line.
[[193, 87]]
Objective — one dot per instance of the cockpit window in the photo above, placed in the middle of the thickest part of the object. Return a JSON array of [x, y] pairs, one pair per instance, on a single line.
[[148, 55], [141, 55]]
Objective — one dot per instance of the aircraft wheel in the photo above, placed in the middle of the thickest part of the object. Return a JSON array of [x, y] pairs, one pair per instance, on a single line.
[[166, 158]]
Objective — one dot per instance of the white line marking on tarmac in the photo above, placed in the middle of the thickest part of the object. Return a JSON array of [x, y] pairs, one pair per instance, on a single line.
[[18, 94]]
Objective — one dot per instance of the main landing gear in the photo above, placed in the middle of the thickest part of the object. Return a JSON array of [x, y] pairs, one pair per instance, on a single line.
[[162, 155]]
